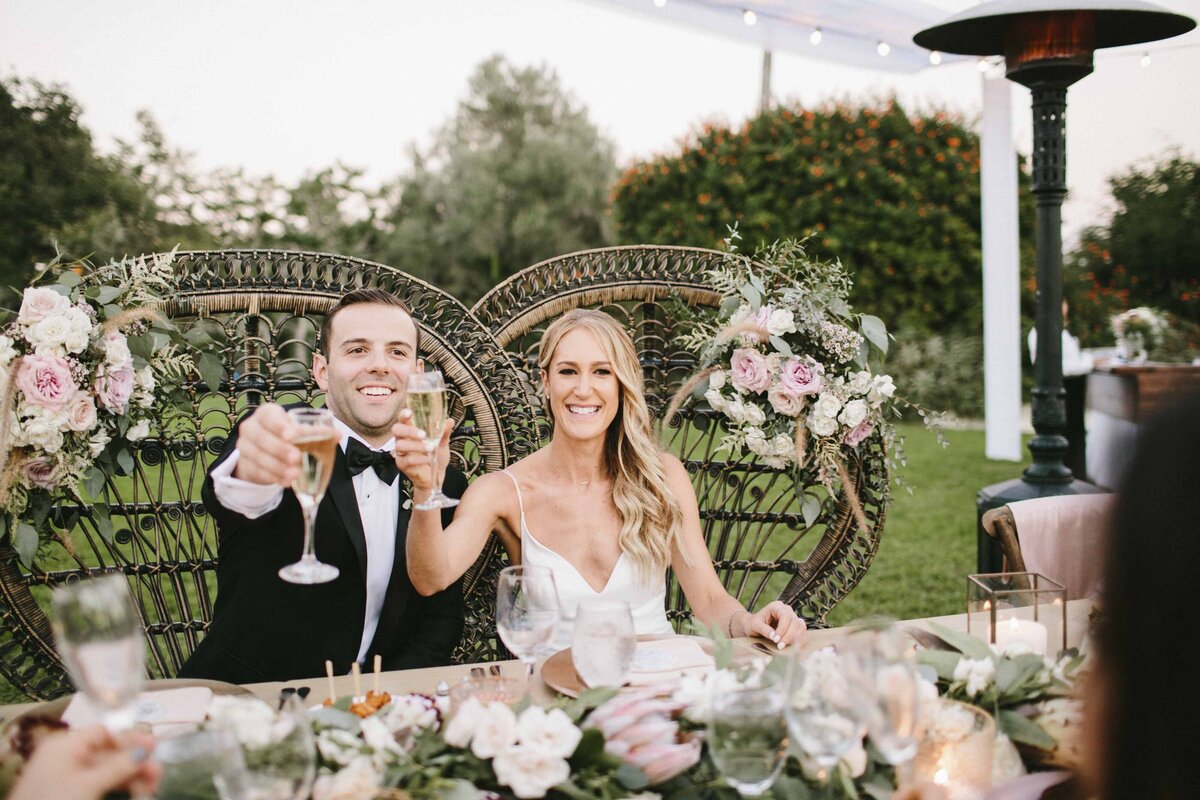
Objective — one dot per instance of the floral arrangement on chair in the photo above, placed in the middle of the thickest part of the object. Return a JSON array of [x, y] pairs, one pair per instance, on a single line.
[[791, 366], [86, 366], [1138, 330]]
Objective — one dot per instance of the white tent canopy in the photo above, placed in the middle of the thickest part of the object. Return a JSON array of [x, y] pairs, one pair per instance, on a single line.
[[877, 34]]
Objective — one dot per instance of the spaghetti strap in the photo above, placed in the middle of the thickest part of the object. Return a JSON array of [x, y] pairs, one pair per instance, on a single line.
[[520, 501]]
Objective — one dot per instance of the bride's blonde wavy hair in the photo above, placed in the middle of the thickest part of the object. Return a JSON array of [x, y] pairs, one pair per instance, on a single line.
[[650, 515]]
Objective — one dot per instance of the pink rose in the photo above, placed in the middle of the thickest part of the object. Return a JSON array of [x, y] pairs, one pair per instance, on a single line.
[[784, 402], [40, 472], [859, 432], [81, 413], [46, 381], [40, 302], [114, 385], [799, 378], [749, 369]]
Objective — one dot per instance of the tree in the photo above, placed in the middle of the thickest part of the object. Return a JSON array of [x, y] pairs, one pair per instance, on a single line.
[[1145, 254], [518, 175]]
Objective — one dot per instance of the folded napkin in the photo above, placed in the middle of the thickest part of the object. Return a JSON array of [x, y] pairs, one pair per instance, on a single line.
[[167, 712], [667, 659]]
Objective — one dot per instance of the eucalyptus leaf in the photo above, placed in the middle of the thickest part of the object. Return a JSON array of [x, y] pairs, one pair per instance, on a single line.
[[811, 510], [197, 337], [1021, 729], [124, 462], [729, 305], [67, 278], [631, 777], [780, 345], [210, 369], [103, 522], [863, 356], [757, 283], [875, 331], [111, 311], [25, 542], [93, 481], [967, 644], [943, 661], [109, 293], [752, 296]]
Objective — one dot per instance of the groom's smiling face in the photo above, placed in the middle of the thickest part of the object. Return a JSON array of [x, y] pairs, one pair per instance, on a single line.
[[372, 349]]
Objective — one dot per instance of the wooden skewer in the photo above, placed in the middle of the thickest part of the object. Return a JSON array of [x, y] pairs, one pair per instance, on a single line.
[[329, 675], [354, 671], [378, 662]]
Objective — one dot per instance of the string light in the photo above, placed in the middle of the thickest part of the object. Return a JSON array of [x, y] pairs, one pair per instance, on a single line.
[[1146, 59], [749, 17], [815, 36], [883, 48], [935, 57]]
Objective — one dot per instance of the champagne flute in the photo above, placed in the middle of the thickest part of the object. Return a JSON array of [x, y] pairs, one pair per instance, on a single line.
[[314, 434], [526, 611], [603, 642], [747, 733], [100, 638], [426, 399]]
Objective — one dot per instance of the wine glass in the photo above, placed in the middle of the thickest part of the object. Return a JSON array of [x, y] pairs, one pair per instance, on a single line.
[[887, 693], [427, 401], [313, 433], [526, 611], [100, 637], [820, 711], [195, 761], [603, 642], [747, 732]]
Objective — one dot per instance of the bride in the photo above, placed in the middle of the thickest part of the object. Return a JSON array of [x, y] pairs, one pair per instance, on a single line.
[[600, 505]]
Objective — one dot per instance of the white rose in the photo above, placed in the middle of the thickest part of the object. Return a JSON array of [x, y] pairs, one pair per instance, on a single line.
[[138, 431], [735, 410], [754, 414], [741, 315], [756, 441], [860, 383], [828, 405], [784, 403], [495, 731], [357, 781], [338, 746], [715, 399], [716, 380], [80, 330], [822, 426], [780, 322], [51, 333], [461, 728], [529, 770], [98, 442], [881, 389], [774, 462], [377, 736], [551, 730], [116, 349], [409, 712], [44, 432], [81, 413], [783, 445], [7, 351], [977, 673], [252, 721], [144, 378], [854, 412], [39, 302]]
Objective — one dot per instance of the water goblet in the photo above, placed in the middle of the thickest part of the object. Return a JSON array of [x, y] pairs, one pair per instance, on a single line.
[[194, 763], [603, 642], [526, 611], [100, 638], [426, 400], [881, 666], [821, 713], [747, 731], [314, 434]]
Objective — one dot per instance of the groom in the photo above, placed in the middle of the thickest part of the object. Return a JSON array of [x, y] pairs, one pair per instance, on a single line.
[[265, 629]]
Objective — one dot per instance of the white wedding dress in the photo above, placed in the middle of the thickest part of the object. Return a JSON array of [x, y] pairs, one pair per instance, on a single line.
[[647, 599]]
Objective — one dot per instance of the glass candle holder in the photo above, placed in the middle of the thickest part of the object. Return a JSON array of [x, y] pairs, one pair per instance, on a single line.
[[956, 751], [1018, 612]]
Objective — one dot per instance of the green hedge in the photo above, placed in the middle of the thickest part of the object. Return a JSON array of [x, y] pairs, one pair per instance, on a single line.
[[894, 196]]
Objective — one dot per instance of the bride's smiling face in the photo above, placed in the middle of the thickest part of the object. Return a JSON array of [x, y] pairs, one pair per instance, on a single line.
[[581, 386]]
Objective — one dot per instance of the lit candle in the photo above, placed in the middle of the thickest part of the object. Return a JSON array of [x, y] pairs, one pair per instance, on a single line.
[[1032, 635]]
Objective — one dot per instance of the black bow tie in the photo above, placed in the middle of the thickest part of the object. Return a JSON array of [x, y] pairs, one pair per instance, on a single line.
[[359, 457]]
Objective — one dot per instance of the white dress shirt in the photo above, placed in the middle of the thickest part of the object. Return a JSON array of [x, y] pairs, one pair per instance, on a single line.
[[378, 508]]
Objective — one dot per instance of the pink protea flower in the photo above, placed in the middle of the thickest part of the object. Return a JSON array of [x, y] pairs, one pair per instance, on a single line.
[[640, 728]]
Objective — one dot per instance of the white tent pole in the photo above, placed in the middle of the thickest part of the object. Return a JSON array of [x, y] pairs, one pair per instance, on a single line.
[[1001, 274], [764, 102]]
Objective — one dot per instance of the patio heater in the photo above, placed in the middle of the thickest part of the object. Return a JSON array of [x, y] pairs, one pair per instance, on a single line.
[[1047, 46]]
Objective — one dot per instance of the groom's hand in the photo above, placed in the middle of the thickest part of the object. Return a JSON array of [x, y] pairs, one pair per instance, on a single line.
[[414, 460], [266, 454]]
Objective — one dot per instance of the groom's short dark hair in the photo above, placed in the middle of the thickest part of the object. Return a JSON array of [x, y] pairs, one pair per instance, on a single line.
[[359, 297]]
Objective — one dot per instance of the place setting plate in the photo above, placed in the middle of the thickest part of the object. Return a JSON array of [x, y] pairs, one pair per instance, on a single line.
[[558, 671]]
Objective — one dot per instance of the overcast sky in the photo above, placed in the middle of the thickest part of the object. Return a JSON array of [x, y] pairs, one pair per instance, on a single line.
[[285, 86]]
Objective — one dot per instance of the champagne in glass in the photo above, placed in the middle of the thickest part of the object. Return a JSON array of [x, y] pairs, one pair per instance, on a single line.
[[426, 399], [100, 637], [317, 439], [526, 611], [603, 642]]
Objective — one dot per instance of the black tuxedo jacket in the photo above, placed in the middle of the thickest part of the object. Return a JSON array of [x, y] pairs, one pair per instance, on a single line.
[[266, 629]]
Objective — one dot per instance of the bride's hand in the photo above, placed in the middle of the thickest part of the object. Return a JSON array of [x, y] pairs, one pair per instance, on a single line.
[[776, 621]]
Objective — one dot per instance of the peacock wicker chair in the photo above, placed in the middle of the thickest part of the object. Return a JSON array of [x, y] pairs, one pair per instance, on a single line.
[[261, 310], [752, 514]]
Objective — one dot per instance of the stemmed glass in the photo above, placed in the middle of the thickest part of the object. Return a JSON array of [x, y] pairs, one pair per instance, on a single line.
[[100, 638], [887, 693], [199, 759], [427, 401], [313, 433], [526, 611], [747, 734], [282, 768], [603, 642], [821, 713]]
